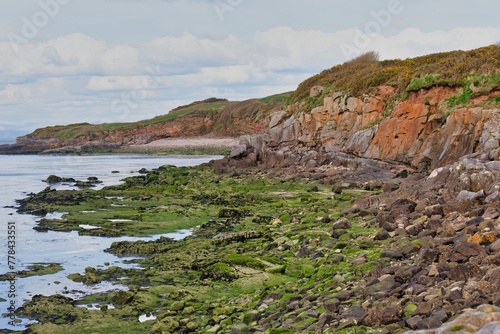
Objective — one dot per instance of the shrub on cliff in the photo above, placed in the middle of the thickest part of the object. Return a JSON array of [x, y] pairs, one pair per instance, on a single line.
[[361, 74]]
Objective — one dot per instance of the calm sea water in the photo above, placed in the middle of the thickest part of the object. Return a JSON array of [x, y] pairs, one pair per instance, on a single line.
[[20, 175]]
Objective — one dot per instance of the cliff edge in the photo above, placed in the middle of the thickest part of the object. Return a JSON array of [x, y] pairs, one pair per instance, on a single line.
[[425, 112]]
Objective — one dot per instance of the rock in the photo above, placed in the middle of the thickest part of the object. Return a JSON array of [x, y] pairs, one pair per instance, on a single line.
[[344, 295], [413, 322], [469, 195], [239, 329], [313, 314], [491, 213], [382, 235], [332, 305], [347, 323], [325, 319], [389, 227], [482, 238], [177, 306], [474, 222], [493, 276], [403, 174], [495, 247], [402, 207], [214, 329], [316, 91], [188, 310], [391, 254], [463, 272], [192, 326], [414, 229], [383, 287], [238, 151], [429, 323], [123, 298], [423, 309], [493, 197], [472, 321], [336, 258], [342, 224], [338, 233], [491, 328], [337, 190], [389, 187], [167, 325], [434, 210], [382, 316], [254, 315], [277, 118], [467, 249], [57, 179], [359, 260]]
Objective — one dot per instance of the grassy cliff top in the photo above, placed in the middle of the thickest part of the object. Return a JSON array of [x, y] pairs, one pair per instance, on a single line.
[[366, 72], [80, 129], [479, 67]]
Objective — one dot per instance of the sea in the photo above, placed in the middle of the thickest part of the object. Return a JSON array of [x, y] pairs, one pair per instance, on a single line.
[[23, 174]]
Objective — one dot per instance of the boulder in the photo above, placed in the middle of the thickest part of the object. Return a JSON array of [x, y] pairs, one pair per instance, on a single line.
[[382, 316], [238, 151]]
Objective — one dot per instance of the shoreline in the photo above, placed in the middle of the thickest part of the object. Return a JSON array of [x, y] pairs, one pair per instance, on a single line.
[[189, 142], [173, 146]]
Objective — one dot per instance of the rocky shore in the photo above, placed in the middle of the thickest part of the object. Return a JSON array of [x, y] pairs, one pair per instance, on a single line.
[[349, 245], [369, 203]]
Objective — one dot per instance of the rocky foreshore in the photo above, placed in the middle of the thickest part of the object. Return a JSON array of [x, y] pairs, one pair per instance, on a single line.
[[370, 203], [345, 245]]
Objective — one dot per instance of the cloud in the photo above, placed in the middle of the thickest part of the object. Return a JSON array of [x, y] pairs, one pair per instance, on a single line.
[[76, 77], [13, 94]]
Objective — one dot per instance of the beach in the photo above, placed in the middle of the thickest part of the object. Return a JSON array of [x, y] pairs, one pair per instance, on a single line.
[[185, 143]]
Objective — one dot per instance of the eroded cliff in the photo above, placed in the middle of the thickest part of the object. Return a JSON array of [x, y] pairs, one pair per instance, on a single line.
[[417, 132], [212, 117], [426, 123]]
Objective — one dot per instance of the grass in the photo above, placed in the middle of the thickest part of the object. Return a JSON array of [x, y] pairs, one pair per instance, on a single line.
[[85, 129], [209, 282], [363, 74], [422, 82], [474, 85], [279, 98]]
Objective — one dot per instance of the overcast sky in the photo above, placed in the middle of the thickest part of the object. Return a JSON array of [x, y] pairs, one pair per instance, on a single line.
[[69, 61]]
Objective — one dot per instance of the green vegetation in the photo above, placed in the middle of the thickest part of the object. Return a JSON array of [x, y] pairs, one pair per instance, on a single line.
[[422, 82], [279, 98], [240, 253], [218, 117], [178, 151], [473, 86], [36, 269], [205, 108], [366, 72], [72, 131]]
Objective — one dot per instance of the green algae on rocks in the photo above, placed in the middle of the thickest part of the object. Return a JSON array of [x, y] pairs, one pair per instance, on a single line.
[[36, 269], [264, 253]]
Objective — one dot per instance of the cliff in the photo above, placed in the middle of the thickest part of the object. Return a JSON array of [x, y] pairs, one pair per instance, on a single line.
[[422, 120], [211, 117]]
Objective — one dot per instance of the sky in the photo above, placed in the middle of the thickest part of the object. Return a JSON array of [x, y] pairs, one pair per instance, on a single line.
[[101, 61]]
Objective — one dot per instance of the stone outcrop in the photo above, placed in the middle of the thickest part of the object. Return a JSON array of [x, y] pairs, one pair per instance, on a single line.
[[232, 119], [421, 131]]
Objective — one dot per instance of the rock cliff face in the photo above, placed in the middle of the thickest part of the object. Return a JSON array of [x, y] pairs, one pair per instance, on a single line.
[[421, 130], [220, 119]]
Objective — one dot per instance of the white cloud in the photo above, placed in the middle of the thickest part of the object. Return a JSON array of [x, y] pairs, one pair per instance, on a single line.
[[14, 94], [414, 42], [77, 77]]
